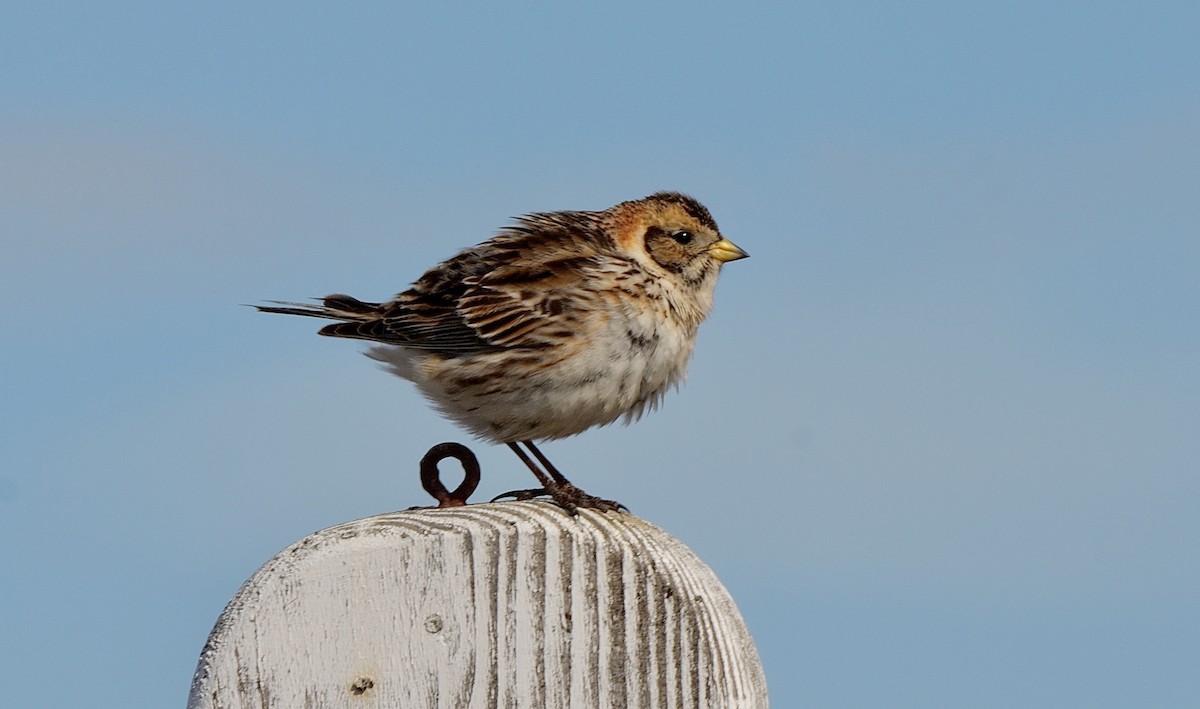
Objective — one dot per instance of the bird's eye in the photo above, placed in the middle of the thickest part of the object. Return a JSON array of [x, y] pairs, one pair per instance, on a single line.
[[682, 237]]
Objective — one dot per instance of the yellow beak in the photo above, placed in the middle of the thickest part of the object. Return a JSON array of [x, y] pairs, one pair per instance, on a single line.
[[725, 250]]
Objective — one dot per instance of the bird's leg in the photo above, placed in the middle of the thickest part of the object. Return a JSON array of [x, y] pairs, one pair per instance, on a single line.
[[546, 464], [546, 481], [556, 485]]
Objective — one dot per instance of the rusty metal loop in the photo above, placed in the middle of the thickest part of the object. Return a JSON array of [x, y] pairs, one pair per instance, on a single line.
[[431, 476]]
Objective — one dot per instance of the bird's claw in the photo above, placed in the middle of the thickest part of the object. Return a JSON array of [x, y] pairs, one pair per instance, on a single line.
[[568, 497], [521, 495]]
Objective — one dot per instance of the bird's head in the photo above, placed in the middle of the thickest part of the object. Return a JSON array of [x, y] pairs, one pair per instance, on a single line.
[[677, 234]]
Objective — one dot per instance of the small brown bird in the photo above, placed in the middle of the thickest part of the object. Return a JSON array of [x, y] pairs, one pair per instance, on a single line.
[[561, 322]]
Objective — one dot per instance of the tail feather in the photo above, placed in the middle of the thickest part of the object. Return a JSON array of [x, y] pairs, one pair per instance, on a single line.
[[432, 327], [333, 307], [373, 330], [349, 304]]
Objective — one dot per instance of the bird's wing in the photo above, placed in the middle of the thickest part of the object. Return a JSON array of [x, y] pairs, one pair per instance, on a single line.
[[520, 289], [532, 303]]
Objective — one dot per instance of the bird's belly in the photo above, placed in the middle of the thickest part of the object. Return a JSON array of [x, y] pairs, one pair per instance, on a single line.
[[502, 398]]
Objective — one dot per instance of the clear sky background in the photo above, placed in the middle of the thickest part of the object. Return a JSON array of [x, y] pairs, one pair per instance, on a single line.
[[941, 436]]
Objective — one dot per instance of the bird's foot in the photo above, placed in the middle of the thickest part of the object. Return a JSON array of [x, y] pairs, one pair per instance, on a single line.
[[568, 497]]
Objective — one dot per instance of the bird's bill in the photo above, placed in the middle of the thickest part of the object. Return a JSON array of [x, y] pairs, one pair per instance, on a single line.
[[725, 250]]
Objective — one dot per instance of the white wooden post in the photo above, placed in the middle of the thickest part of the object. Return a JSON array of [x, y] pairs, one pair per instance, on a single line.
[[514, 604]]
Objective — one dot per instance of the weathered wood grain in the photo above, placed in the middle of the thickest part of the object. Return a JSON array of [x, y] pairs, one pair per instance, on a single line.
[[500, 605]]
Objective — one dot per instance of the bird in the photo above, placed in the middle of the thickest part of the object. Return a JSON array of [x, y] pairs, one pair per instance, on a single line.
[[560, 322]]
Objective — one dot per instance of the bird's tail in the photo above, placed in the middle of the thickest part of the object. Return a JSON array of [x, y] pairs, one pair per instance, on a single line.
[[356, 319], [333, 307]]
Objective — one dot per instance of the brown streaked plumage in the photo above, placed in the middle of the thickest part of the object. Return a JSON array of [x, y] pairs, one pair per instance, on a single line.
[[561, 322]]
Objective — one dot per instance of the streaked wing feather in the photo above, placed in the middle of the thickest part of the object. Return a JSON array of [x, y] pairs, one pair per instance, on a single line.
[[506, 292]]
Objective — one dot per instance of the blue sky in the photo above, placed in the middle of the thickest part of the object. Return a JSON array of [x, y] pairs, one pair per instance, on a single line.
[[940, 436]]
